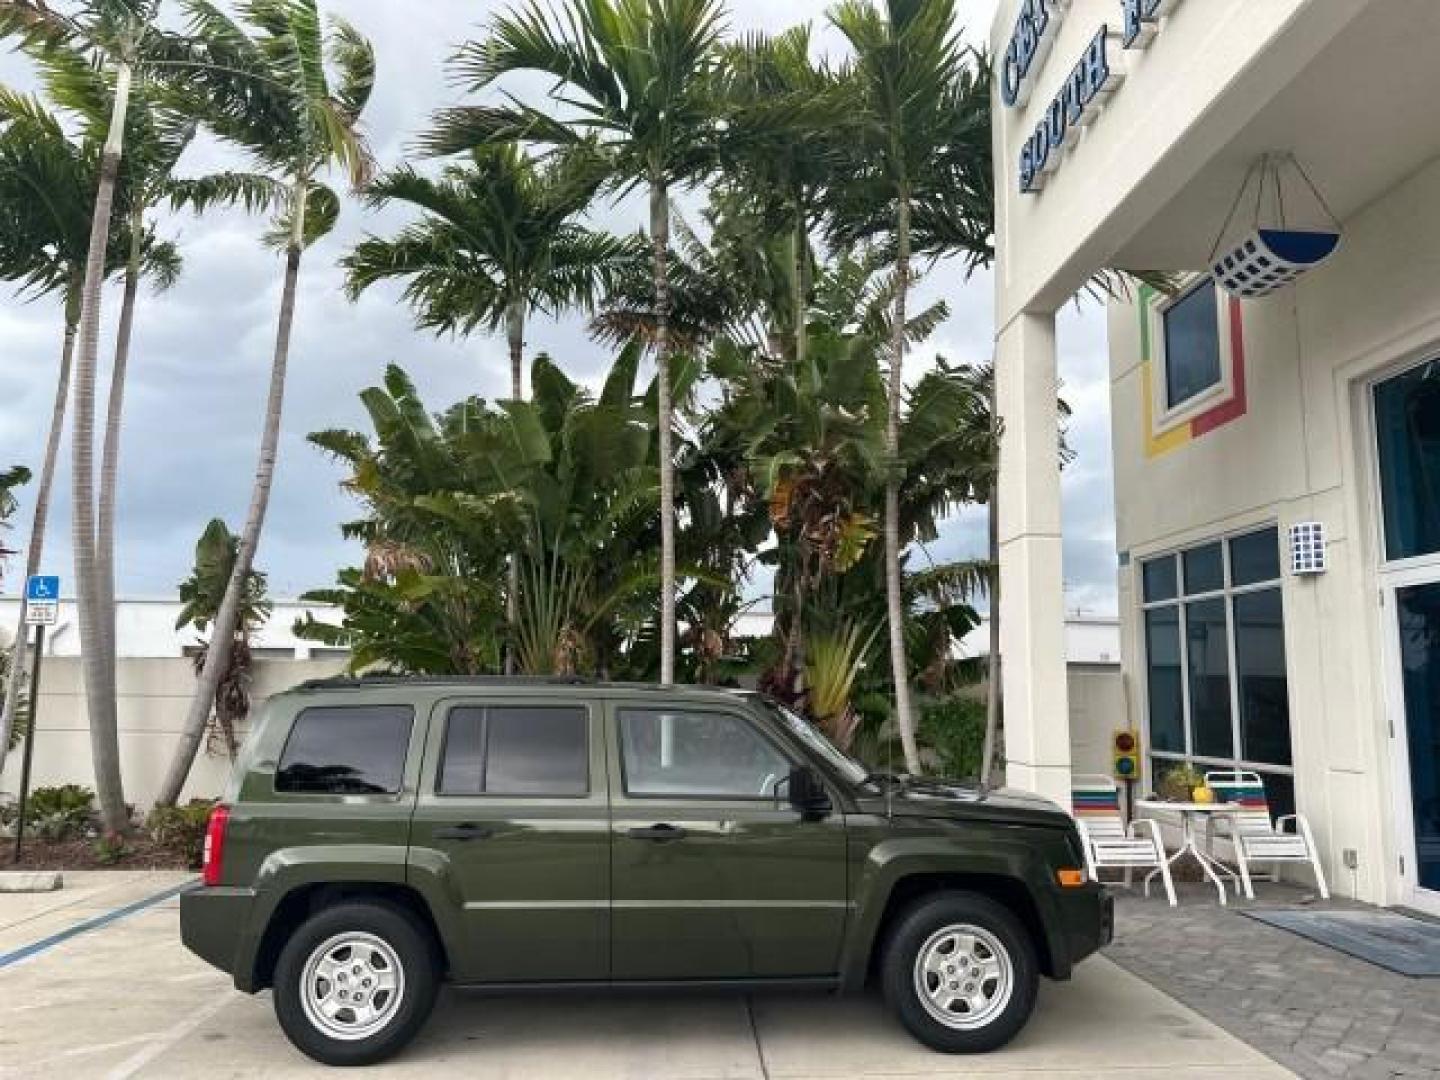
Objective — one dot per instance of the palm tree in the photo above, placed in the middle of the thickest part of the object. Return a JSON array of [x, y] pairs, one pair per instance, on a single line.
[[156, 137], [201, 595], [117, 32], [912, 90], [636, 76], [290, 91], [497, 240], [10, 479], [44, 246], [784, 112]]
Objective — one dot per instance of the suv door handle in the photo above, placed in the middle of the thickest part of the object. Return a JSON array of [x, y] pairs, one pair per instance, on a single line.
[[466, 831], [659, 833]]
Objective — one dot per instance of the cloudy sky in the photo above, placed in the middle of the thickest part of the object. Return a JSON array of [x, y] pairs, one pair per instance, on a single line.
[[201, 354]]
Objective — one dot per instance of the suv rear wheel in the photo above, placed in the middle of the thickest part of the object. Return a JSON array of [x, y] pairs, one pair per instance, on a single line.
[[960, 972], [355, 983]]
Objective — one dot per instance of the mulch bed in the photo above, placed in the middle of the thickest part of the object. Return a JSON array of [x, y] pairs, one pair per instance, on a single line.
[[141, 853]]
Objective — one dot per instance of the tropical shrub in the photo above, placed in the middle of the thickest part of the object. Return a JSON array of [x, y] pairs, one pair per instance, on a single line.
[[954, 730], [110, 849], [66, 812], [181, 829]]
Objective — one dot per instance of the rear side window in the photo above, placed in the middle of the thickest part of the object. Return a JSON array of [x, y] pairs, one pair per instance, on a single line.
[[346, 750], [515, 751]]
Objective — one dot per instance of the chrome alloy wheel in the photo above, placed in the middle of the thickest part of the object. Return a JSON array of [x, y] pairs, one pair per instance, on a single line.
[[351, 986], [963, 976]]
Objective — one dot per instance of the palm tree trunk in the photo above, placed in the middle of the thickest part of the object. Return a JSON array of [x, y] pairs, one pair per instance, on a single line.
[[992, 663], [899, 667], [228, 617], [110, 452], [660, 249], [800, 243], [515, 330], [104, 736], [36, 549]]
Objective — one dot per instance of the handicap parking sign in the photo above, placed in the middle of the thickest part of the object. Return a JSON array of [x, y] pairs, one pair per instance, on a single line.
[[42, 600], [43, 587]]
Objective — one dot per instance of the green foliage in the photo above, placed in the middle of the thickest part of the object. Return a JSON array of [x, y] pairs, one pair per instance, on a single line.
[[1179, 783], [202, 592], [495, 231], [181, 829], [110, 849], [954, 730], [564, 479], [201, 595], [66, 812]]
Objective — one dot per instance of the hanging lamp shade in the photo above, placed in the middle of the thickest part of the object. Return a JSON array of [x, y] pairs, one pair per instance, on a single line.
[[1268, 256]]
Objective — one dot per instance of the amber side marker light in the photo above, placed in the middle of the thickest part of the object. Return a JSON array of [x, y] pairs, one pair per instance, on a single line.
[[1070, 879]]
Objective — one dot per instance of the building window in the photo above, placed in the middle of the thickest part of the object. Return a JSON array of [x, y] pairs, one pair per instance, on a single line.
[[1407, 425], [1215, 684], [1192, 344]]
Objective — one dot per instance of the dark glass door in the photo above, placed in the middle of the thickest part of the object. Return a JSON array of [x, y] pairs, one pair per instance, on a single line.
[[1418, 608]]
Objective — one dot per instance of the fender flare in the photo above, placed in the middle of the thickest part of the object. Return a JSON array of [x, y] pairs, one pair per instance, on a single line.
[[892, 862]]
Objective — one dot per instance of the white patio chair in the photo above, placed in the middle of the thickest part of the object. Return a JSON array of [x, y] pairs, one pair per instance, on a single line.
[[1095, 803], [1255, 835]]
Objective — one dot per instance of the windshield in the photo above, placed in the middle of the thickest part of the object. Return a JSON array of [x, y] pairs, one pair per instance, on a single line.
[[812, 737]]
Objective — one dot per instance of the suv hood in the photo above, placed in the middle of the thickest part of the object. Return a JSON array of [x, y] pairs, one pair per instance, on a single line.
[[934, 797]]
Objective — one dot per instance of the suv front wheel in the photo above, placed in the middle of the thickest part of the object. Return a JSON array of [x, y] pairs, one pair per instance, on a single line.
[[355, 983], [960, 972]]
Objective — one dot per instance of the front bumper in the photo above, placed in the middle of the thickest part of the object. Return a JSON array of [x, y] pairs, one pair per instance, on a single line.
[[213, 922], [1086, 925]]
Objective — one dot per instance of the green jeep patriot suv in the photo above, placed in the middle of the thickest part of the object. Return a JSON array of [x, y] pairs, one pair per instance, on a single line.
[[382, 835]]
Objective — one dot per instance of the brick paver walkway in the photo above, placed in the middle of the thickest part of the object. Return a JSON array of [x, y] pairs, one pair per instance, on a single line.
[[1318, 1012]]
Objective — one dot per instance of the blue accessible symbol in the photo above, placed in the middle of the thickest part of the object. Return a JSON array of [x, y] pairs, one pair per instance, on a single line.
[[43, 587]]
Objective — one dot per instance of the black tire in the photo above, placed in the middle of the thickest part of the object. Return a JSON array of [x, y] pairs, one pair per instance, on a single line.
[[407, 939], [999, 932]]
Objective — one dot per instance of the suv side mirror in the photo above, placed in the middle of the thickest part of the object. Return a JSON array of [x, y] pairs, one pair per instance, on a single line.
[[807, 793]]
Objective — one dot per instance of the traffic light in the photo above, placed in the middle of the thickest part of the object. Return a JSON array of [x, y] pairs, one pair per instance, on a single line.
[[1125, 752]]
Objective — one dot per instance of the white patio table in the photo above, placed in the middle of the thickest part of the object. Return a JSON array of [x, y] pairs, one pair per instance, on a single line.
[[1190, 813]]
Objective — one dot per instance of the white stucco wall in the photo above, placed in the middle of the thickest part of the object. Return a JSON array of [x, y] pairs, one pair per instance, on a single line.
[[1303, 452]]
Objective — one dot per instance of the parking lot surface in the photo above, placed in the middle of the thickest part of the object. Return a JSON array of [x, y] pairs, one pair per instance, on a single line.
[[93, 986]]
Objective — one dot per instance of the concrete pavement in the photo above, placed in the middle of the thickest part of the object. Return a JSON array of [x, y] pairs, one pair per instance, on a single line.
[[126, 1000]]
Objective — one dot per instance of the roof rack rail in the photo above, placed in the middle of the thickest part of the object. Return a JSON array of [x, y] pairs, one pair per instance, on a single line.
[[355, 682], [336, 682]]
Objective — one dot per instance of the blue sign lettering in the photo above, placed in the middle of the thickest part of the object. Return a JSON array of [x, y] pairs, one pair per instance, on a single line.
[[1029, 42], [1079, 99], [1141, 18]]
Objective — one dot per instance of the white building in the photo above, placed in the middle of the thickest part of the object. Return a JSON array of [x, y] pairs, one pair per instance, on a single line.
[[1125, 133], [145, 628]]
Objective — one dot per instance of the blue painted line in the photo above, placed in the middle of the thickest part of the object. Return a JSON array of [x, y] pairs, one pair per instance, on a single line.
[[36, 947]]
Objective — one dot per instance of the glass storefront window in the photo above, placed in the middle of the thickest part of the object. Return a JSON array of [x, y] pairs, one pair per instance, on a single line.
[[1208, 653], [1204, 569], [1260, 669], [1216, 688], [1166, 695], [1407, 421]]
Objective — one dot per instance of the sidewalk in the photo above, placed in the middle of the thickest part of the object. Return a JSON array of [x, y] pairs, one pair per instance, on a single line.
[[1323, 1014], [126, 1000]]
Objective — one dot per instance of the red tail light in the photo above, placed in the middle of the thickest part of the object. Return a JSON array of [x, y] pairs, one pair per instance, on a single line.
[[214, 851]]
